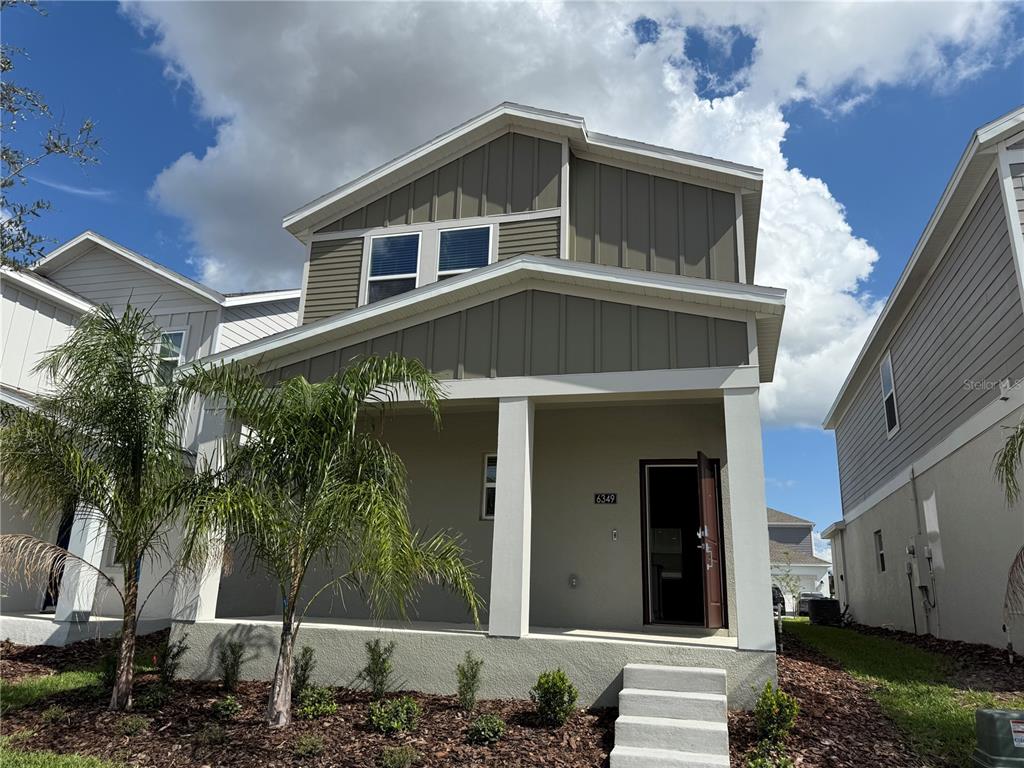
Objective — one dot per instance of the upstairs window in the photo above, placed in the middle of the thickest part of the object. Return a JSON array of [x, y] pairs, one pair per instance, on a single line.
[[460, 250], [394, 264], [172, 349], [892, 417], [490, 486]]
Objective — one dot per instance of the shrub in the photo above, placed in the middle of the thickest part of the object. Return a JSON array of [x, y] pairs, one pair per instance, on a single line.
[[315, 702], [308, 745], [229, 662], [398, 757], [168, 659], [468, 675], [153, 697], [486, 729], [132, 725], [226, 708], [55, 714], [211, 733], [378, 674], [555, 697], [774, 715], [108, 669], [305, 663], [765, 756], [395, 716]]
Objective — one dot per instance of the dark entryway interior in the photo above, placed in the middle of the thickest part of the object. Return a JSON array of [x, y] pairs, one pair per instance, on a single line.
[[675, 560]]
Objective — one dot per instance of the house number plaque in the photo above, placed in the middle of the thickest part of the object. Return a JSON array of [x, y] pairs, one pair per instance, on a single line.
[[606, 498]]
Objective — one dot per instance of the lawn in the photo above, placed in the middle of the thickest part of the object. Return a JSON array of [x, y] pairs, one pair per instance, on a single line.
[[915, 688], [30, 690]]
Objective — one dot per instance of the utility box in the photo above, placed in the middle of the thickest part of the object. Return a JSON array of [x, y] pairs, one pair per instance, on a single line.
[[1000, 738]]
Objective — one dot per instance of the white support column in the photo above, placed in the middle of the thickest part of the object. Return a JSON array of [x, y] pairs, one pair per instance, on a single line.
[[509, 609], [753, 599], [78, 584]]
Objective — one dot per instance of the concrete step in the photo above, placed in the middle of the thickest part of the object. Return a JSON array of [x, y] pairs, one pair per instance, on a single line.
[[668, 733], [660, 677], [684, 705], [645, 757]]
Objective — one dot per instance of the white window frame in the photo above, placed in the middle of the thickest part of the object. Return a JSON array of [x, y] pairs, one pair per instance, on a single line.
[[415, 275], [181, 350], [887, 361], [488, 484], [879, 550], [490, 249]]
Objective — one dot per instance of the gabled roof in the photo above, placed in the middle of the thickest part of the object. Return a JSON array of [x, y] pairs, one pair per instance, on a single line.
[[25, 278], [777, 517], [527, 272], [973, 170], [777, 553], [507, 116]]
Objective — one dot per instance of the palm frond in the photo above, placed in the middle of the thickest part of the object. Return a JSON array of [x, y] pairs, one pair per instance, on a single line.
[[1013, 603], [1009, 461], [33, 560]]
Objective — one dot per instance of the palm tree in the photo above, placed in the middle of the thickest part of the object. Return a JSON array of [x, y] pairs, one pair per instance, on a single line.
[[1009, 460], [308, 480], [107, 441]]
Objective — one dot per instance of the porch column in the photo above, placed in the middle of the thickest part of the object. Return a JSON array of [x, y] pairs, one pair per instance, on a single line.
[[195, 594], [509, 608], [78, 584], [753, 599]]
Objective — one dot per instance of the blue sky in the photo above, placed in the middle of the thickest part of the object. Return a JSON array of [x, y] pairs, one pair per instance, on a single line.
[[886, 162]]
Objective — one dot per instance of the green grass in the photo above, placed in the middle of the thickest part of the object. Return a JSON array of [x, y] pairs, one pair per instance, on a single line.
[[913, 686], [12, 758], [33, 689]]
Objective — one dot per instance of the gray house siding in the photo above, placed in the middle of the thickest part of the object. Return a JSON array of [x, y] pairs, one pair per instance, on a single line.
[[792, 537], [513, 173], [1017, 172], [332, 281], [538, 333], [627, 219], [256, 321], [537, 237], [966, 326]]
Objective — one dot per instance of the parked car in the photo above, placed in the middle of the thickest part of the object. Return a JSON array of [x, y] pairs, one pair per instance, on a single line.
[[805, 599], [778, 601]]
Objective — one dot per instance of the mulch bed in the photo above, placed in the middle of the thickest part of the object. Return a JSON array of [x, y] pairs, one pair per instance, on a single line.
[[21, 661], [840, 725]]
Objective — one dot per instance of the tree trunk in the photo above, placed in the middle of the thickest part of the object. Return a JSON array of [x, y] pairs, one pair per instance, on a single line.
[[279, 706], [121, 698]]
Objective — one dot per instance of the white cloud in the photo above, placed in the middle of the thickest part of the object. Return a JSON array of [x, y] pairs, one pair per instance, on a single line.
[[822, 547], [308, 96]]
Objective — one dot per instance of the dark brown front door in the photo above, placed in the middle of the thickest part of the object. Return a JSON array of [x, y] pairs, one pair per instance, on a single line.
[[711, 537]]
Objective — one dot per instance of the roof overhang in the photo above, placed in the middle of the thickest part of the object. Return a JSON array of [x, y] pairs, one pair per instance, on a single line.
[[698, 169], [976, 164], [247, 299], [523, 273], [40, 286], [833, 530]]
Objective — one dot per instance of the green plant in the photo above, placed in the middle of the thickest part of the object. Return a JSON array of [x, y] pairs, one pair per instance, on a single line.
[[229, 663], [108, 669], [486, 729], [555, 697], [378, 674], [305, 663], [308, 745], [168, 658], [468, 675], [132, 725], [774, 715], [315, 488], [153, 697], [396, 715], [32, 689], [226, 708], [211, 734], [55, 714], [760, 760], [398, 757], [315, 702]]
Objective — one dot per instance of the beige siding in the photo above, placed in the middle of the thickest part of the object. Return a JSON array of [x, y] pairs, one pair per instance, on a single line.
[[538, 333], [627, 219], [31, 325], [332, 282], [513, 173], [966, 326], [256, 321], [536, 237]]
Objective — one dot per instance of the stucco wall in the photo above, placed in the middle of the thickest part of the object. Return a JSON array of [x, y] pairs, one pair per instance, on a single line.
[[973, 535], [15, 595]]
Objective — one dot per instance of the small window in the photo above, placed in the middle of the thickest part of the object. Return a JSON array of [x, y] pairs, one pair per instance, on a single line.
[[394, 264], [461, 250], [172, 347], [879, 551], [490, 485], [892, 417]]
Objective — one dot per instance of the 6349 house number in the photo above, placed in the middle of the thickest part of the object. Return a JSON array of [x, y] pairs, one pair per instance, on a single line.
[[606, 498]]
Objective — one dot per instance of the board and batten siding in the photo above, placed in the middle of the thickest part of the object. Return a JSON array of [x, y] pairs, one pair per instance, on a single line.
[[534, 237], [539, 333], [513, 173], [963, 334], [332, 280], [256, 321], [624, 218], [31, 325]]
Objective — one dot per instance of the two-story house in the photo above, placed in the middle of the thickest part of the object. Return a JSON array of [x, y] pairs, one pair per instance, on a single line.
[[41, 307], [795, 568], [927, 538], [589, 305]]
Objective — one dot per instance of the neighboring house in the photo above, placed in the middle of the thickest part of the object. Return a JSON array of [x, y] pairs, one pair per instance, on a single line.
[[927, 538], [41, 307], [589, 303], [791, 553]]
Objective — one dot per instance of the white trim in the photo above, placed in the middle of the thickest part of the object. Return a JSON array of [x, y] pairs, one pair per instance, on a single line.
[[831, 531], [741, 248], [260, 298], [415, 275], [469, 221], [887, 360], [488, 484], [986, 418], [1013, 221], [16, 397], [438, 274], [39, 285], [563, 202], [182, 350]]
